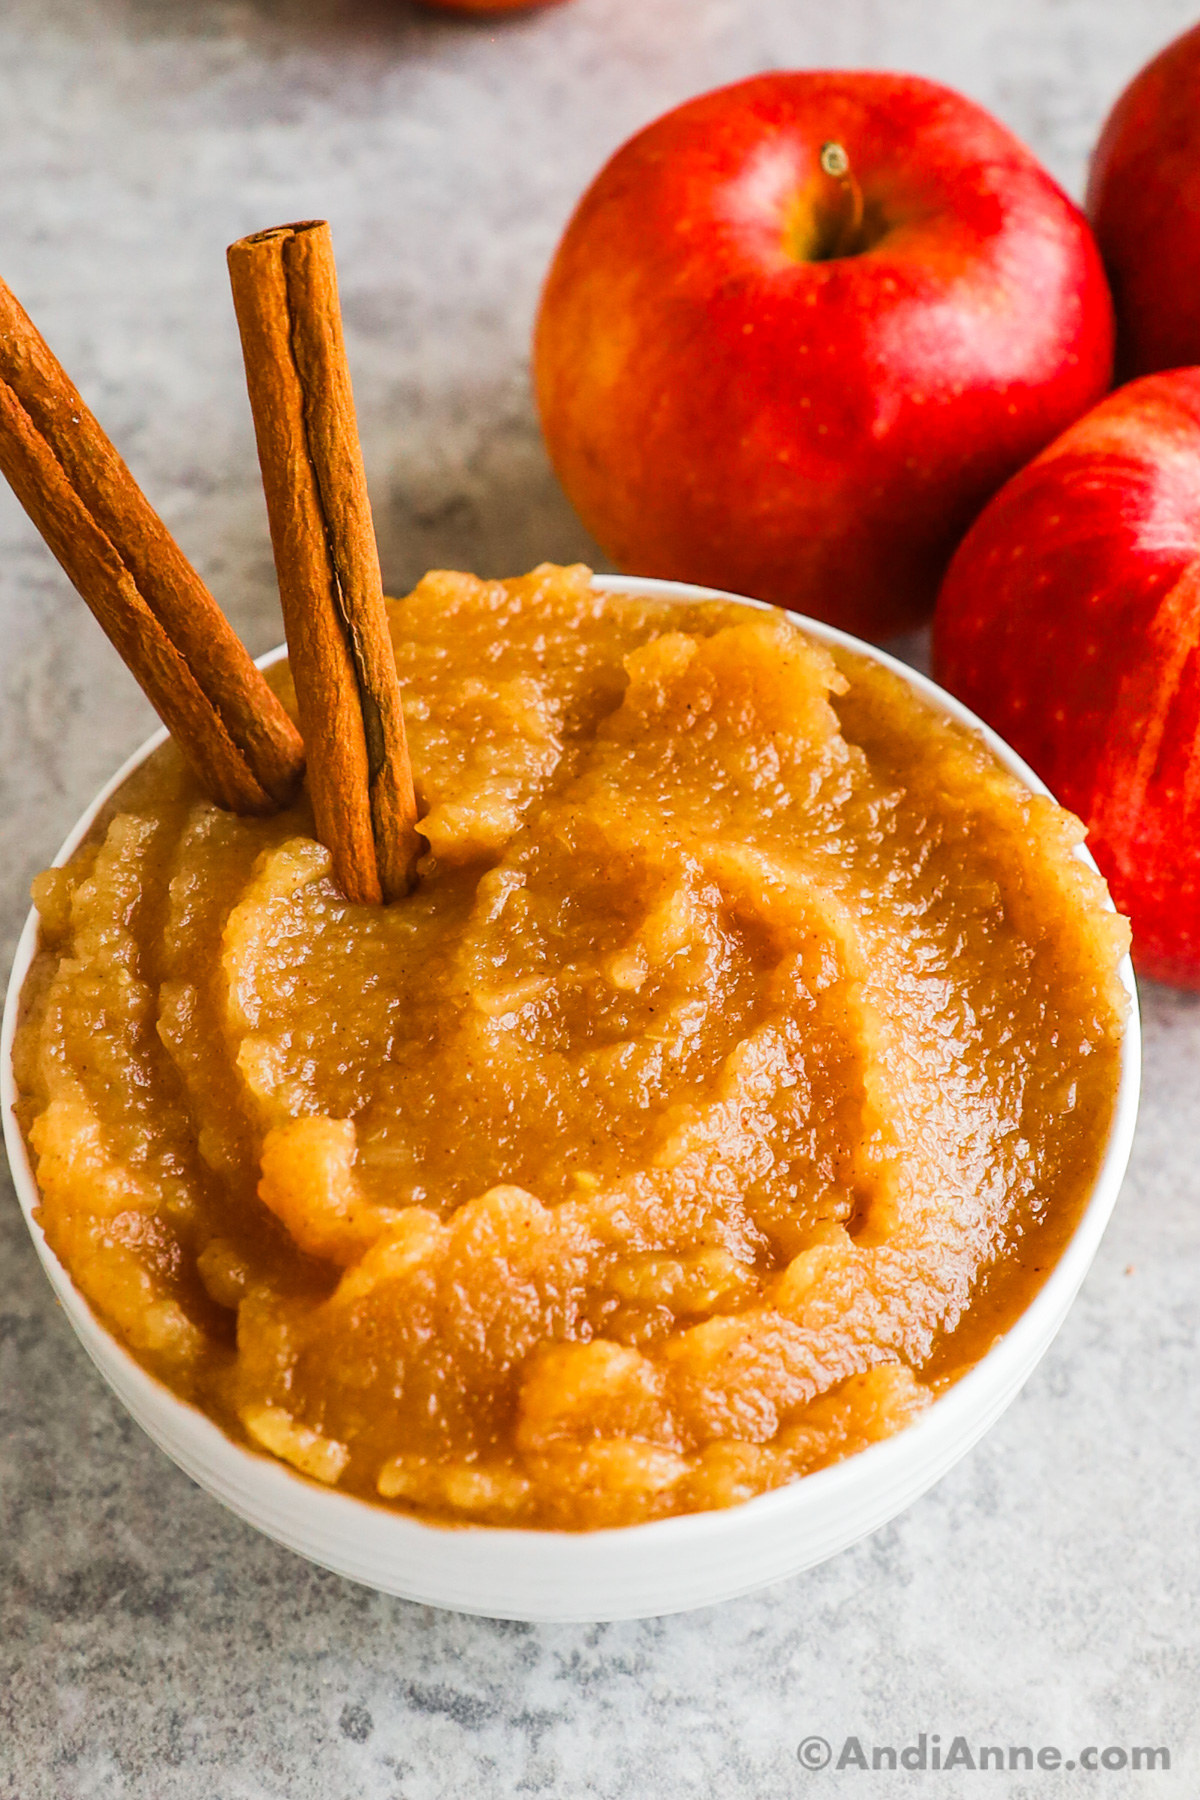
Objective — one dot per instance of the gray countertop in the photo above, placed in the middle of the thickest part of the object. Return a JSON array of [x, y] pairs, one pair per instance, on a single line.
[[1048, 1591]]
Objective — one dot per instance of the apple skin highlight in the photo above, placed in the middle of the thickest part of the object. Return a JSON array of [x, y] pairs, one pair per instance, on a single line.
[[1070, 620], [728, 400], [1144, 202]]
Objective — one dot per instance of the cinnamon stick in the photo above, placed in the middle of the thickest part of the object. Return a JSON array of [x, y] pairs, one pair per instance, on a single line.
[[143, 591], [359, 775]]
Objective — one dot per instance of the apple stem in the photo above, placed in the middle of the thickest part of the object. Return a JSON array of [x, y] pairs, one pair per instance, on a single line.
[[845, 235]]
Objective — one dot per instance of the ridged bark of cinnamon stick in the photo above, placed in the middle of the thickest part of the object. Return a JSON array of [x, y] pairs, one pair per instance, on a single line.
[[92, 564], [141, 588], [359, 775]]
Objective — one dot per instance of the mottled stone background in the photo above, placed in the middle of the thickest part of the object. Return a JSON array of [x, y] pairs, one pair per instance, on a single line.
[[1049, 1590]]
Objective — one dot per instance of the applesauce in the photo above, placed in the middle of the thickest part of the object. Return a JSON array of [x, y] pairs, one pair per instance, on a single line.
[[735, 1073]]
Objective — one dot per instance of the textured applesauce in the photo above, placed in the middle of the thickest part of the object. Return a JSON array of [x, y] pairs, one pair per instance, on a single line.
[[734, 1075]]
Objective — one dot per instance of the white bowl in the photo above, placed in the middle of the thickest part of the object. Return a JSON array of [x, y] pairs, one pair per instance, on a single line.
[[637, 1571]]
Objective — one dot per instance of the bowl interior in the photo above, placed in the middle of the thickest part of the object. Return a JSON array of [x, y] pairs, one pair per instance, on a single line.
[[663, 1566]]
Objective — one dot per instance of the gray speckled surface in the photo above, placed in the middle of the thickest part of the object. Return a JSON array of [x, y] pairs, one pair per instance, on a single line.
[[150, 1645]]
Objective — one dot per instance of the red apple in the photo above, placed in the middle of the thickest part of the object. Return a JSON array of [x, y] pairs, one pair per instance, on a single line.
[[481, 7], [1144, 201], [800, 329], [1070, 620]]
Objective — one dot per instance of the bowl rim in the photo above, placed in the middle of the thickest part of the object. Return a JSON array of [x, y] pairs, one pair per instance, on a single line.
[[950, 1412]]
